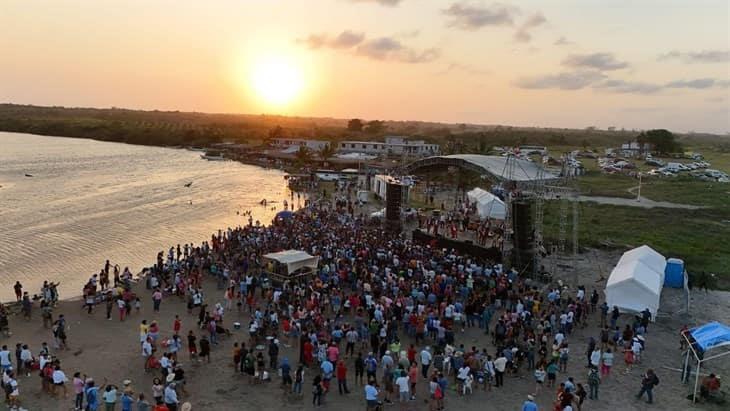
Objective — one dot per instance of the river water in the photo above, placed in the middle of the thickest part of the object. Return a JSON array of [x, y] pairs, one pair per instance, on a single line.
[[88, 201]]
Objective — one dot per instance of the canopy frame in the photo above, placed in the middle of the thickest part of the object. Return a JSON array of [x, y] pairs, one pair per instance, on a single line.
[[700, 361], [294, 260]]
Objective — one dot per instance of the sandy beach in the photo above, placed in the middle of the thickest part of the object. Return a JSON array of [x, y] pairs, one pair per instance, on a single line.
[[110, 350]]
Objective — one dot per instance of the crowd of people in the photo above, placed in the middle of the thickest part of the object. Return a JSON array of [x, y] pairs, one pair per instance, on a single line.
[[393, 311]]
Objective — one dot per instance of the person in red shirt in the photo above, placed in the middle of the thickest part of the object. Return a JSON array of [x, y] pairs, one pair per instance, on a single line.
[[411, 354], [413, 378], [176, 325], [307, 353], [341, 373]]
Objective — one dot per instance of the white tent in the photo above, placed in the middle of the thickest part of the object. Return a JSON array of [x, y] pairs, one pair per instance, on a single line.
[[636, 282], [488, 205], [294, 260], [634, 287], [649, 257]]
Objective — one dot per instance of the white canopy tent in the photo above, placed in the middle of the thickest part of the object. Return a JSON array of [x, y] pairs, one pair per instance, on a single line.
[[294, 260], [634, 287], [636, 282], [488, 205], [649, 257]]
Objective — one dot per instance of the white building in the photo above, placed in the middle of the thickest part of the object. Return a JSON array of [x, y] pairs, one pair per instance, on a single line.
[[285, 143], [634, 149], [393, 145]]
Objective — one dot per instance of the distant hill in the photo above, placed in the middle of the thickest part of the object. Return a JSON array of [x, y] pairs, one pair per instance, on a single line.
[[171, 128]]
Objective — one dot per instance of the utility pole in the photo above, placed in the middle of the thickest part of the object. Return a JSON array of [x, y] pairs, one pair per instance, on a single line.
[[638, 193]]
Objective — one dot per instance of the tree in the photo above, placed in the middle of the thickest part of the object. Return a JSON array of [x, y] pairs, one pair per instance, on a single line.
[[375, 126], [304, 155], [354, 125], [662, 140], [482, 145], [326, 152], [276, 132], [584, 144]]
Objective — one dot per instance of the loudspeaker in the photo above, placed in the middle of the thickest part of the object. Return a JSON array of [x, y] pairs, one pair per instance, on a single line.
[[393, 193], [524, 235], [524, 232]]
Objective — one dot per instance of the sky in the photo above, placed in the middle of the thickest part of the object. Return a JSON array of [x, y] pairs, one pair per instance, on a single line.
[[633, 64]]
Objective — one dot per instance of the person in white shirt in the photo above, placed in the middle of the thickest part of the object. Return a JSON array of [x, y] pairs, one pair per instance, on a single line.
[[461, 376], [636, 348], [5, 362], [425, 361], [9, 380], [596, 357], [59, 381], [403, 388], [27, 358], [500, 364]]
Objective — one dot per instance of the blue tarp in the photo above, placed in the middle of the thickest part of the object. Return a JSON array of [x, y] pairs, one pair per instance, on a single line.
[[711, 335]]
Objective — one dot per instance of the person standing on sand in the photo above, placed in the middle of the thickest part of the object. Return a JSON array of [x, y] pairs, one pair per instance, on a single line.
[[204, 348], [142, 403], [192, 348], [78, 384], [27, 305], [156, 300], [18, 288], [59, 332], [157, 391], [59, 381], [529, 404], [648, 382], [171, 397], [341, 372]]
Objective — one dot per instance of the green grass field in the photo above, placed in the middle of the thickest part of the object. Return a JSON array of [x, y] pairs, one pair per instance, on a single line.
[[700, 237]]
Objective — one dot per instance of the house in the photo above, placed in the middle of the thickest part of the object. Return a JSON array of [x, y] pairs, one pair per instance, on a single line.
[[392, 146], [635, 149], [286, 143]]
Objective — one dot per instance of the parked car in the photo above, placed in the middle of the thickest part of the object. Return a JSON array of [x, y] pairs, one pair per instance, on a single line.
[[653, 162]]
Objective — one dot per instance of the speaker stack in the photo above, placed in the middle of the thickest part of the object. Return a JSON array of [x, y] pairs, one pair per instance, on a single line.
[[393, 198], [523, 239]]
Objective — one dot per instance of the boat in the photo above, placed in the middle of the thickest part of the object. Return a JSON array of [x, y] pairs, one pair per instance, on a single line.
[[213, 156]]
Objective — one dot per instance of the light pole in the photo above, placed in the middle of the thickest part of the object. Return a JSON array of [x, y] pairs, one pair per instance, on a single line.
[[638, 192]]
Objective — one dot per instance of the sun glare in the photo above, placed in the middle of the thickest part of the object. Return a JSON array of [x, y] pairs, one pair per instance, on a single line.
[[276, 81]]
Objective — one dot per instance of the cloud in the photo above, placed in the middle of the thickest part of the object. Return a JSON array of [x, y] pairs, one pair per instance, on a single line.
[[596, 79], [467, 16], [523, 33], [597, 61], [564, 81], [390, 3], [381, 48], [562, 41], [629, 87], [388, 48], [347, 39], [700, 83], [464, 68], [344, 40], [704, 56]]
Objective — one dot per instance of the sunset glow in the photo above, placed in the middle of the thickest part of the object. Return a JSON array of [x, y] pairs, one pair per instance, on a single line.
[[276, 81]]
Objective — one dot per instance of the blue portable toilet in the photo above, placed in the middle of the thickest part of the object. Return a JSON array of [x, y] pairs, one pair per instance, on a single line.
[[674, 273]]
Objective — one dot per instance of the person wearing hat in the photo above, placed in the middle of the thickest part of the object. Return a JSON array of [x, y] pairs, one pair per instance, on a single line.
[[529, 404]]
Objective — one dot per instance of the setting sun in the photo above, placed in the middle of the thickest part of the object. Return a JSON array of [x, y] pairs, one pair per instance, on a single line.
[[276, 80]]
